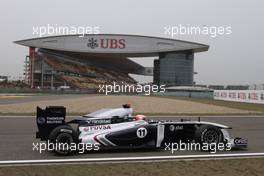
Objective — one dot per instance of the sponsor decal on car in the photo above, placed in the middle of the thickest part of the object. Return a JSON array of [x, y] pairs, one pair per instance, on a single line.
[[240, 141], [99, 127], [55, 120], [142, 132], [99, 121], [41, 120], [66, 130], [177, 127]]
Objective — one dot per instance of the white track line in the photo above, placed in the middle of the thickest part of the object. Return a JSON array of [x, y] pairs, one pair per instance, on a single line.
[[209, 156]]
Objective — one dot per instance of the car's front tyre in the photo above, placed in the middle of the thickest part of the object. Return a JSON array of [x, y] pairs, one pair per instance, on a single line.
[[208, 135]]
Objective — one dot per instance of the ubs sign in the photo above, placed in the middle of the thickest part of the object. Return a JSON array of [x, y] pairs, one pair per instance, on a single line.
[[108, 43]]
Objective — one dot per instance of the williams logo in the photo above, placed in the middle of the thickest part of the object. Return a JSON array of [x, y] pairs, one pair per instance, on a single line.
[[92, 43]]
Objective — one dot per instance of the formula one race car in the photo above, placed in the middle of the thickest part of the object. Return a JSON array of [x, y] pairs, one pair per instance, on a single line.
[[117, 128]]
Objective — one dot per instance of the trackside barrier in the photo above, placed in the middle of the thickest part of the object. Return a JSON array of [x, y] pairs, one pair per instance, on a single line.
[[247, 96]]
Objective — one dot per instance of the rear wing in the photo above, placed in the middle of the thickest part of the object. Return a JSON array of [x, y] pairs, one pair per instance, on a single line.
[[48, 119]]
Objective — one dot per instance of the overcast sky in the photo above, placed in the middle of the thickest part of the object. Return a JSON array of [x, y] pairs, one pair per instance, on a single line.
[[232, 59]]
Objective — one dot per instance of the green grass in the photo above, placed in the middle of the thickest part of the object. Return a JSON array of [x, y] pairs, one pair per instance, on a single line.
[[234, 167], [237, 105]]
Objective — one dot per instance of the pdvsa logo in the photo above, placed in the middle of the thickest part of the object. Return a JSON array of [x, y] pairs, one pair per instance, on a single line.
[[108, 43], [95, 128]]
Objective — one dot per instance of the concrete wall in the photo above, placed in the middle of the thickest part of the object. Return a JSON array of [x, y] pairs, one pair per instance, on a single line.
[[208, 95]]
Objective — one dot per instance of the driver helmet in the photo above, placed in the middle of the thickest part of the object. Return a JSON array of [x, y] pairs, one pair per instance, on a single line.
[[140, 117]]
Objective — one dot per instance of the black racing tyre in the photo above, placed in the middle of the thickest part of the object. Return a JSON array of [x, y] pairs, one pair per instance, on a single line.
[[208, 134], [62, 138]]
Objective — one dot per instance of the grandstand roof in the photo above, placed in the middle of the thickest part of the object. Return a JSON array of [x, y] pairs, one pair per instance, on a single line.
[[129, 45]]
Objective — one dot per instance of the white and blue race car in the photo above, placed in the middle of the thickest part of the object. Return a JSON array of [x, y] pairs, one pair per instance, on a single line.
[[114, 128]]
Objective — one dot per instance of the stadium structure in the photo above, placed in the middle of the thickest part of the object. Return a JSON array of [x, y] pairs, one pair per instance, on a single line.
[[87, 61]]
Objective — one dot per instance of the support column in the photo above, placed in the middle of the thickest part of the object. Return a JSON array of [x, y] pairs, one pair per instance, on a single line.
[[42, 72], [32, 65], [52, 80]]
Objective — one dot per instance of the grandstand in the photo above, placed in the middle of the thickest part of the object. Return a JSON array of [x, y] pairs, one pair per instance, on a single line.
[[85, 62]]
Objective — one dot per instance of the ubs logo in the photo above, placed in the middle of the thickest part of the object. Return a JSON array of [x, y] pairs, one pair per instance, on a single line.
[[92, 43], [108, 43]]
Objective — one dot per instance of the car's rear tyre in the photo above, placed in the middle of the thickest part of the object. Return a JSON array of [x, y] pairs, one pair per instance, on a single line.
[[208, 135], [62, 138]]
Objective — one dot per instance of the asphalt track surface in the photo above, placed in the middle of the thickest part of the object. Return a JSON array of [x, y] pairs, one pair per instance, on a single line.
[[18, 133]]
